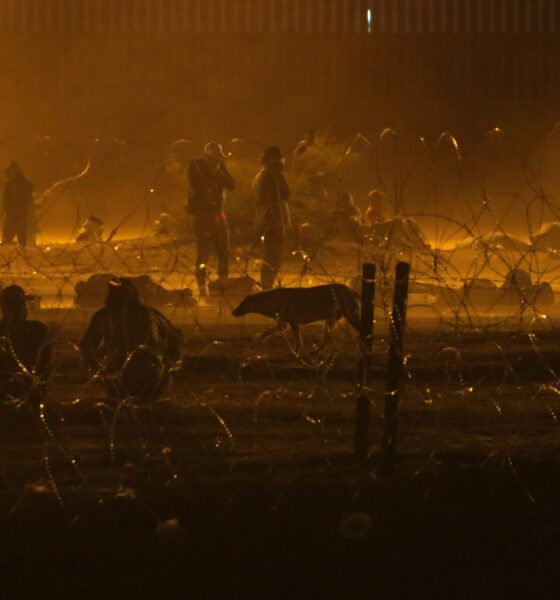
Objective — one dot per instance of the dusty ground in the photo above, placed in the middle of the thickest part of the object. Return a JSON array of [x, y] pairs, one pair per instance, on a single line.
[[250, 459], [241, 482]]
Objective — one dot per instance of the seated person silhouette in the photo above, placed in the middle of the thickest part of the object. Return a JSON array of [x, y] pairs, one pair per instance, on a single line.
[[25, 350], [130, 346], [376, 211]]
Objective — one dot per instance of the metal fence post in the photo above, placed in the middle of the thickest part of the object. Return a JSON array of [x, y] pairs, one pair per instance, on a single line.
[[366, 351], [395, 376]]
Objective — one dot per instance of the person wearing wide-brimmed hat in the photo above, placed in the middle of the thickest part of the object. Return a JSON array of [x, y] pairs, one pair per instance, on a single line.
[[273, 218], [208, 178]]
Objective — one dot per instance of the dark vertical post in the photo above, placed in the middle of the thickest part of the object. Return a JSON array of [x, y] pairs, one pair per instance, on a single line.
[[396, 366], [366, 350], [366, 323]]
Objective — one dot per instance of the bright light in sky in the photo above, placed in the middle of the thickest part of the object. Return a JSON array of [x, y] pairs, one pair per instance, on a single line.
[[369, 19]]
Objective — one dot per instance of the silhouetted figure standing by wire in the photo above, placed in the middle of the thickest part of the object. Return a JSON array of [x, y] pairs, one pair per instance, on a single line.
[[25, 350], [273, 218], [208, 178], [17, 206], [131, 347]]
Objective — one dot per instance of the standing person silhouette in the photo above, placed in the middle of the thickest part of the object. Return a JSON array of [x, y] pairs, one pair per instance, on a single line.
[[273, 218], [17, 205], [208, 178]]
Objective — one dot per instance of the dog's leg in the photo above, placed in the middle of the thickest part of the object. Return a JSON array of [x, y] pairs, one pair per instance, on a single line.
[[297, 335], [329, 326], [280, 326]]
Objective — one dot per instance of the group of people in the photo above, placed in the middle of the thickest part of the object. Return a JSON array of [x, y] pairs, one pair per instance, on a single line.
[[208, 180], [129, 346]]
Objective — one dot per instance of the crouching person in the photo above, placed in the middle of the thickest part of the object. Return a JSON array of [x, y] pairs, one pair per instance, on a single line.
[[131, 347], [25, 350]]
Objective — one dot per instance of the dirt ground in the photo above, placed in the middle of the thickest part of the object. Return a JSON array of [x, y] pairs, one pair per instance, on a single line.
[[242, 482]]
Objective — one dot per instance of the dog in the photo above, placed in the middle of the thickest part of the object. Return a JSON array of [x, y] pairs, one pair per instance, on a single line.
[[297, 306]]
